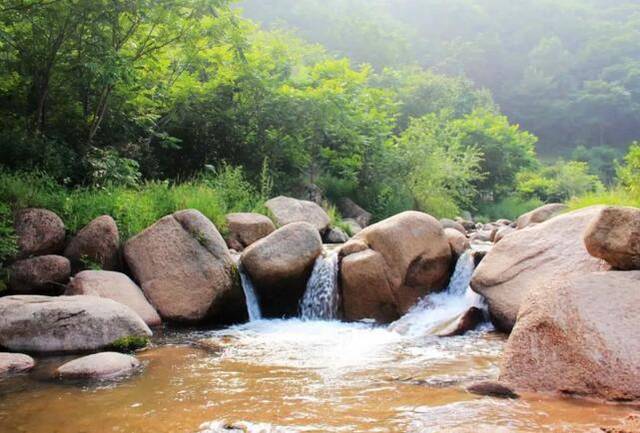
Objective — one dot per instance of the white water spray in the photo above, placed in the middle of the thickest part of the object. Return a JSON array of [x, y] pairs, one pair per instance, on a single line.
[[435, 312], [321, 299], [253, 305]]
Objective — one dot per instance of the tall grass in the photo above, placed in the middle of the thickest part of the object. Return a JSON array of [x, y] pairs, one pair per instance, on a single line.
[[613, 197], [214, 193]]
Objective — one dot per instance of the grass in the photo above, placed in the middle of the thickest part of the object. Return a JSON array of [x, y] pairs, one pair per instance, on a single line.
[[509, 208], [613, 197], [214, 194]]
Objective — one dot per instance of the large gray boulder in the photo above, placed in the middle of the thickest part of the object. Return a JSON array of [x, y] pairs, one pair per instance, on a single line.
[[540, 215], [246, 228], [614, 235], [39, 232], [103, 365], [115, 286], [42, 275], [280, 265], [528, 259], [184, 268], [578, 335], [287, 210], [407, 257], [11, 363], [65, 323], [97, 242], [350, 209]]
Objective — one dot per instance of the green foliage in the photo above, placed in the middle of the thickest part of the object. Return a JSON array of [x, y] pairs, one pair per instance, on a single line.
[[440, 169], [611, 197], [129, 343], [601, 160], [567, 70], [629, 172], [8, 243], [558, 182], [509, 207], [107, 168]]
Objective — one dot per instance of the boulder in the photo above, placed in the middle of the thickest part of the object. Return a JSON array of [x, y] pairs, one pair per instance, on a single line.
[[578, 336], [491, 388], [103, 365], [287, 210], [11, 363], [115, 286], [467, 224], [408, 256], [97, 242], [483, 236], [540, 215], [349, 209], [457, 241], [352, 247], [354, 227], [280, 265], [451, 224], [39, 232], [246, 228], [335, 235], [527, 259], [43, 275], [65, 323], [185, 269], [366, 290], [614, 235], [502, 232]]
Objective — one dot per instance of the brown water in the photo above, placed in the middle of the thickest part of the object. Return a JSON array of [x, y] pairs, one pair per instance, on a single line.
[[296, 377]]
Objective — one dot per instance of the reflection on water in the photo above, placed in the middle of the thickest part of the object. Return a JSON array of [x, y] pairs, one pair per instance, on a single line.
[[296, 376]]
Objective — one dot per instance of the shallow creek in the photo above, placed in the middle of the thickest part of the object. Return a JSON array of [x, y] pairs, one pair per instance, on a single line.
[[296, 376]]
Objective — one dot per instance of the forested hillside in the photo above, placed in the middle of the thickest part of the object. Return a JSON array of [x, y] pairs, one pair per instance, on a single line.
[[566, 70], [414, 105]]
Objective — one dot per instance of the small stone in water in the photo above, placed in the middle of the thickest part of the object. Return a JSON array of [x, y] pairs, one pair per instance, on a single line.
[[492, 389]]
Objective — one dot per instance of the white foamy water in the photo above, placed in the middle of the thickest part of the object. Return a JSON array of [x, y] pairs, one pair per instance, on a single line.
[[253, 305], [436, 311], [321, 299]]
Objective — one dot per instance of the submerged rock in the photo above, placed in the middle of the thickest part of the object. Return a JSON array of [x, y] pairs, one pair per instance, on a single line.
[[97, 242], [614, 235], [528, 259], [65, 323], [408, 256], [39, 232], [280, 265], [540, 215], [467, 321], [104, 365], [247, 228], [186, 270], [287, 210], [631, 424], [115, 286], [491, 388], [42, 275], [579, 336], [11, 363]]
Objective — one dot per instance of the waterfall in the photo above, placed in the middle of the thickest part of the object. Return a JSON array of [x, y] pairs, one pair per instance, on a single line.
[[321, 299], [253, 306], [437, 311]]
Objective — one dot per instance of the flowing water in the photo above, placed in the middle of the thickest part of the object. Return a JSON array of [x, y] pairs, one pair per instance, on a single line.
[[295, 376], [253, 305], [321, 300], [303, 375], [437, 311]]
